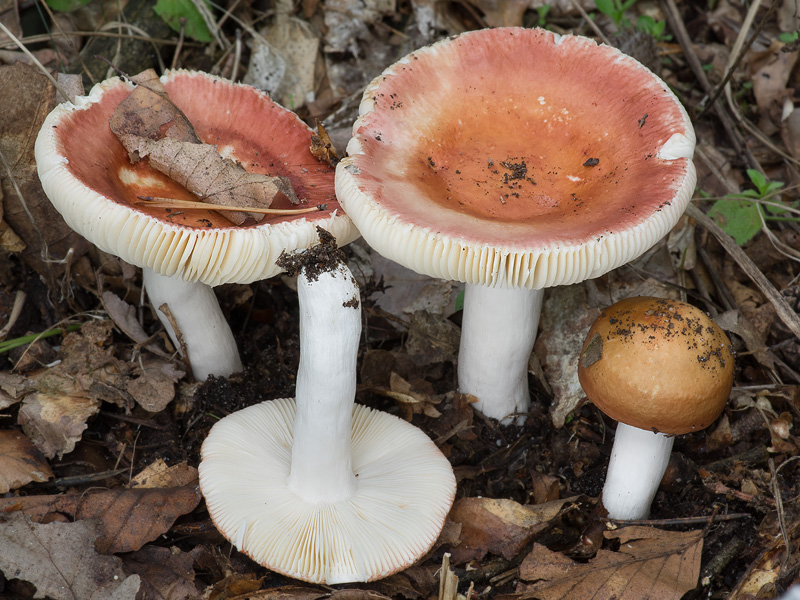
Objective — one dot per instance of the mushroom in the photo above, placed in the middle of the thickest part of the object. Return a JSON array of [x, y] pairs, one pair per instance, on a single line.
[[318, 488], [86, 174], [513, 160], [660, 368]]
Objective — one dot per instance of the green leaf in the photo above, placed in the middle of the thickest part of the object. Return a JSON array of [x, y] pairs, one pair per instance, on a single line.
[[738, 217], [460, 301], [606, 7], [757, 178], [171, 11], [66, 5]]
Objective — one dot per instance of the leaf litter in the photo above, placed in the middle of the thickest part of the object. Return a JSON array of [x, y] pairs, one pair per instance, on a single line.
[[109, 402]]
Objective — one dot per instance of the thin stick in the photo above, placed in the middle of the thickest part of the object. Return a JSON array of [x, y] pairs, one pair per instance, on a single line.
[[785, 312], [34, 59], [156, 202]]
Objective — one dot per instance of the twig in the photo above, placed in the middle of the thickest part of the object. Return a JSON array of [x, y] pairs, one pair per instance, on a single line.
[[680, 521], [156, 202], [164, 308], [679, 29], [589, 21], [776, 493], [744, 47], [179, 47], [27, 53], [782, 308], [74, 480]]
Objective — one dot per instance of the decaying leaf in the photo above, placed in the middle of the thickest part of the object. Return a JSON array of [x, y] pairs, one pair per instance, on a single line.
[[150, 126], [55, 423], [127, 518], [154, 387], [27, 97], [12, 388], [165, 572], [499, 525], [159, 475], [650, 564], [565, 321], [411, 402], [20, 461], [322, 147], [60, 560]]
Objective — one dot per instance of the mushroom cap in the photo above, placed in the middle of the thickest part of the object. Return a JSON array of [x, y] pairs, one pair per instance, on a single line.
[[86, 174], [405, 490], [657, 364], [517, 152]]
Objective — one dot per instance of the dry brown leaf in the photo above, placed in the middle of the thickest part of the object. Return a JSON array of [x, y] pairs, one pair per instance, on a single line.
[[20, 461], [650, 564], [154, 387], [150, 126], [27, 97], [12, 388], [55, 423], [432, 338], [565, 320], [127, 518], [60, 560], [165, 572], [411, 402], [158, 475], [322, 147], [770, 73], [498, 525]]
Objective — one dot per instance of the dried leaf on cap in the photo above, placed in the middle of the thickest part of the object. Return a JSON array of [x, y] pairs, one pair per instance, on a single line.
[[150, 126]]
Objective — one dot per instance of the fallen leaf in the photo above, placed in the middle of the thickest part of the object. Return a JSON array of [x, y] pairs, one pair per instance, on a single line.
[[154, 387], [60, 560], [158, 475], [283, 61], [150, 126], [432, 338], [565, 321], [498, 525], [12, 388], [411, 402], [20, 461], [165, 572], [55, 423], [27, 96], [127, 518], [650, 564], [322, 147]]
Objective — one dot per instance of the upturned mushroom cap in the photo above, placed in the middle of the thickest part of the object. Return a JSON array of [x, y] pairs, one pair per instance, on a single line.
[[657, 364], [86, 173], [405, 489], [517, 153]]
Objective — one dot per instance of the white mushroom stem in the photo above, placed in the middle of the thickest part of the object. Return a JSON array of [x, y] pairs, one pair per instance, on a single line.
[[497, 334], [330, 328], [205, 332], [638, 461]]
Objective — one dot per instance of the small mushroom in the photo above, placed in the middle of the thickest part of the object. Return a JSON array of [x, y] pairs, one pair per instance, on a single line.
[[318, 488], [660, 368], [86, 174], [513, 160]]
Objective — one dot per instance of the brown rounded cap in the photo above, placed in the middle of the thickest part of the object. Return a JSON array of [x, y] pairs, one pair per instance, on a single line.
[[517, 154], [657, 364], [86, 174]]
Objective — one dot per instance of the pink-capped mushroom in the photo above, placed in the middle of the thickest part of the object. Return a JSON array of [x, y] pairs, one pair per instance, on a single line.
[[86, 174], [514, 160]]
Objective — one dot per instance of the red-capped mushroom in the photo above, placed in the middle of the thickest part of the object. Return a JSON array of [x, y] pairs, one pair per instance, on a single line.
[[86, 174], [513, 160]]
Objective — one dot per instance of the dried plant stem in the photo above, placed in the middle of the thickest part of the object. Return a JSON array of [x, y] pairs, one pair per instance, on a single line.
[[785, 312], [156, 202]]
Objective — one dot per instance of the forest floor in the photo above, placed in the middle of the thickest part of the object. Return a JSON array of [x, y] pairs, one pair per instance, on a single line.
[[101, 426]]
